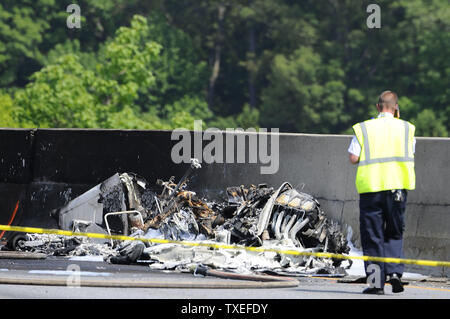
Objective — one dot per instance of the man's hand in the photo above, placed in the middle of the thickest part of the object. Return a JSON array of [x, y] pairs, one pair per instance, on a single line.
[[353, 159], [397, 113]]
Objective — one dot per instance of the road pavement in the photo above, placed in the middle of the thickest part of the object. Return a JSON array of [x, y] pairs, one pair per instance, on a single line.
[[194, 287]]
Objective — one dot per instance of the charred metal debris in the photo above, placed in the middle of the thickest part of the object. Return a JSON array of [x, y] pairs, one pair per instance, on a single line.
[[284, 218]]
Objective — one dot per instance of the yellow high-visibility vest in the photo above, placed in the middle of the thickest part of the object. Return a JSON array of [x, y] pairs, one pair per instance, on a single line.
[[386, 161]]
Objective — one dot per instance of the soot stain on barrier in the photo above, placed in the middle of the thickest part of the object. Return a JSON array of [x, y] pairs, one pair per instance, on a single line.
[[251, 216]]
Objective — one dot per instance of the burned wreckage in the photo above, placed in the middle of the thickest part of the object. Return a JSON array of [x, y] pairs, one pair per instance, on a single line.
[[259, 216]]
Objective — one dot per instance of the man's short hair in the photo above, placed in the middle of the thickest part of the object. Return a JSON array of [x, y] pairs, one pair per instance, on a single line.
[[388, 99]]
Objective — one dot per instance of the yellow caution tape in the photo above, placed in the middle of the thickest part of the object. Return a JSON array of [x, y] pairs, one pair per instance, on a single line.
[[419, 262]]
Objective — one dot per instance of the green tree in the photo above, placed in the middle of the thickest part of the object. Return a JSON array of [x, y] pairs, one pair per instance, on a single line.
[[6, 110], [58, 96], [66, 94], [302, 66], [183, 112], [303, 95], [180, 74], [427, 26], [428, 124], [22, 28]]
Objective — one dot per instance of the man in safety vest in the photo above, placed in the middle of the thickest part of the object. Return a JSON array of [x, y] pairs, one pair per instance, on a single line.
[[384, 150]]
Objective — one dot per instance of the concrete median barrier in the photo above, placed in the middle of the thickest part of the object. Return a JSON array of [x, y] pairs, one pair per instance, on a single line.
[[46, 168]]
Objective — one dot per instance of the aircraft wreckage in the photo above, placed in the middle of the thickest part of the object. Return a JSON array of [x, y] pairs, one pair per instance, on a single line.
[[259, 216]]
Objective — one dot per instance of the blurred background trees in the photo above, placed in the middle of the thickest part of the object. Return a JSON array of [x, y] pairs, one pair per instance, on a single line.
[[301, 66]]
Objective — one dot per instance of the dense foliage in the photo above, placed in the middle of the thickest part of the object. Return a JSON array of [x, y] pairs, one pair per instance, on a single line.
[[310, 66]]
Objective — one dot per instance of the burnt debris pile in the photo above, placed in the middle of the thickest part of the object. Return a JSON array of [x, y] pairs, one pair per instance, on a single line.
[[257, 215]]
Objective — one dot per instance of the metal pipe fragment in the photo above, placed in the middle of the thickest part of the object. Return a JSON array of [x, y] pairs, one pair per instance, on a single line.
[[289, 227], [284, 223], [296, 228], [278, 224], [274, 220]]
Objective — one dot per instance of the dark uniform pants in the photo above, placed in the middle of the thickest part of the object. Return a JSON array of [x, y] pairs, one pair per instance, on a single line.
[[382, 222]]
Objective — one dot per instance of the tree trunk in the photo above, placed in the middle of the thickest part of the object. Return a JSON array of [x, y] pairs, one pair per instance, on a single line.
[[251, 69], [217, 56]]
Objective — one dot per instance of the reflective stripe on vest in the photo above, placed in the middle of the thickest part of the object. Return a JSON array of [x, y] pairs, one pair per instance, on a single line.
[[369, 160], [386, 159]]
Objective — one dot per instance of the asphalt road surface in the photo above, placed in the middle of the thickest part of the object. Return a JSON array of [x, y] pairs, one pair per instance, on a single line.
[[12, 271]]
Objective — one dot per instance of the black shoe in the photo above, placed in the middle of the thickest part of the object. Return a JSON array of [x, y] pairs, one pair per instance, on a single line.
[[397, 285], [373, 291]]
